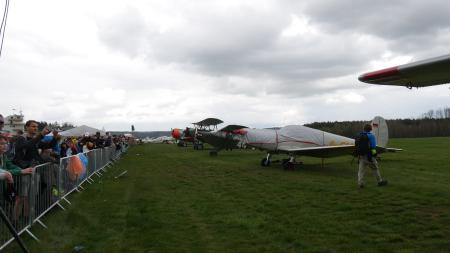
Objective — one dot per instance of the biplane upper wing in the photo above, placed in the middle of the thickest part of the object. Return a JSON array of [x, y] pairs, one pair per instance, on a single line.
[[208, 122], [428, 72], [231, 128]]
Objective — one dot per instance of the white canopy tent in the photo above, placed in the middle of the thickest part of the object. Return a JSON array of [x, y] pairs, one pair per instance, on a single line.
[[81, 131]]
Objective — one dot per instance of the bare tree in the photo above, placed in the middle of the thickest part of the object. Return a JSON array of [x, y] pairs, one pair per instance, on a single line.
[[439, 114], [447, 112], [429, 114]]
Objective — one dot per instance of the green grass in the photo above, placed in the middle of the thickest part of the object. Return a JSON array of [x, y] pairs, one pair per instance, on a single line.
[[179, 200]]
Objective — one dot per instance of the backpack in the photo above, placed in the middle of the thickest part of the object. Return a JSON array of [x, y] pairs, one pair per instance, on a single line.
[[362, 145]]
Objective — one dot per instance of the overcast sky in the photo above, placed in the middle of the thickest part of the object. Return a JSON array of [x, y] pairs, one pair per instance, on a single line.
[[260, 63]]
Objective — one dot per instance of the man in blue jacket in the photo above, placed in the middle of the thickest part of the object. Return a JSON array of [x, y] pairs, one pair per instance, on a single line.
[[367, 152]]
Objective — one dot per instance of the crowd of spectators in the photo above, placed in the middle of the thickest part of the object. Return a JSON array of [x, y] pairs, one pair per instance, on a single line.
[[21, 153]]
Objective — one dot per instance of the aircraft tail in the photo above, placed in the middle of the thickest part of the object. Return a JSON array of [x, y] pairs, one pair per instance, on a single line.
[[380, 130]]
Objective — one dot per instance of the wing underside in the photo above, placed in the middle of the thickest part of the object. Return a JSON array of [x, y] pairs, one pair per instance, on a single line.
[[322, 152], [429, 72], [330, 151]]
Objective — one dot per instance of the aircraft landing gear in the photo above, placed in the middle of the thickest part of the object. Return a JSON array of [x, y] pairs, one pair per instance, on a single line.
[[289, 163], [265, 162], [198, 145]]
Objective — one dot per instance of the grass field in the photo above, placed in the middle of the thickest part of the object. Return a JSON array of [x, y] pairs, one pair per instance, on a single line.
[[180, 200]]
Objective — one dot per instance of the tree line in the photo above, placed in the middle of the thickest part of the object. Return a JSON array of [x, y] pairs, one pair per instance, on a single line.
[[55, 125], [434, 123]]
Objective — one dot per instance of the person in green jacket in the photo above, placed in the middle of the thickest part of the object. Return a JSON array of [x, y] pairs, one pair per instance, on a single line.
[[7, 168]]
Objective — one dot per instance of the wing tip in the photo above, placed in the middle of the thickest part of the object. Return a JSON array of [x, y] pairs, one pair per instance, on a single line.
[[376, 77]]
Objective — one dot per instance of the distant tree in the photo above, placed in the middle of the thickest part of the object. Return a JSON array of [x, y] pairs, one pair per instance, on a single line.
[[428, 115], [41, 125], [433, 123], [55, 125], [446, 112], [67, 125], [439, 114]]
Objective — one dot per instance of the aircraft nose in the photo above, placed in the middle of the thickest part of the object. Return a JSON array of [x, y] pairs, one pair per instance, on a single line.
[[176, 134]]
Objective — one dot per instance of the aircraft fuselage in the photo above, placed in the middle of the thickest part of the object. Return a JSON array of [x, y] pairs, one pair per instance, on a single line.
[[293, 137]]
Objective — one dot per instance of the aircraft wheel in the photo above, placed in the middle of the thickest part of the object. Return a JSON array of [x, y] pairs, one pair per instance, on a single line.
[[284, 163], [287, 165], [265, 162]]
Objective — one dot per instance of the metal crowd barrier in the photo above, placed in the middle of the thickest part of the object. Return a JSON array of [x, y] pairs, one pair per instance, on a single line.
[[48, 185]]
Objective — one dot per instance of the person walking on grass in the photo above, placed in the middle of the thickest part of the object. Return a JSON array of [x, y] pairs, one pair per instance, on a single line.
[[366, 148]]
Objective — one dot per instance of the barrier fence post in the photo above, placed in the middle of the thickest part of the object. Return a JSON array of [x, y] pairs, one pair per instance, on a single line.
[[44, 188], [12, 230], [31, 199], [60, 185]]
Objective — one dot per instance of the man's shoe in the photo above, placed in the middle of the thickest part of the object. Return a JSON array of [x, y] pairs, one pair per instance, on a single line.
[[361, 186], [383, 183]]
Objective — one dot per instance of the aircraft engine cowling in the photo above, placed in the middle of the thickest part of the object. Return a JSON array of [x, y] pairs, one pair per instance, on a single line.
[[176, 133]]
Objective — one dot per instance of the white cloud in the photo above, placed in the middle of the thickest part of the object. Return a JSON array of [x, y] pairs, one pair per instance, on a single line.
[[163, 64], [348, 97], [388, 59], [299, 26]]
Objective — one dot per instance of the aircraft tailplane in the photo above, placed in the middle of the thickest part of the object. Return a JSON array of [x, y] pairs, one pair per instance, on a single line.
[[380, 130]]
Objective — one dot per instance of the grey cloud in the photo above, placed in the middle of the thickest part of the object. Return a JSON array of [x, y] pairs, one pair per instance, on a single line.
[[409, 27], [215, 59], [126, 32], [247, 42], [219, 43], [388, 19]]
